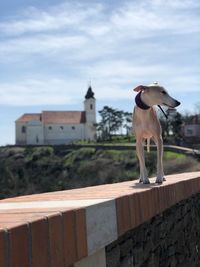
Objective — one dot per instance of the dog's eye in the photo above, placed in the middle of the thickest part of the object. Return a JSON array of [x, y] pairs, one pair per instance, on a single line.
[[164, 93]]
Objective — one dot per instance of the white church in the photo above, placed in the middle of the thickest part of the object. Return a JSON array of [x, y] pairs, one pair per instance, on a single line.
[[58, 127]]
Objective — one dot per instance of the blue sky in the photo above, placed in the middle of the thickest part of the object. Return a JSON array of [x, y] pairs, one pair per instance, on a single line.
[[50, 50]]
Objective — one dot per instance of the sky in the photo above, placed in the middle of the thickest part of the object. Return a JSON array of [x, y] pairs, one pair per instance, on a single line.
[[51, 50]]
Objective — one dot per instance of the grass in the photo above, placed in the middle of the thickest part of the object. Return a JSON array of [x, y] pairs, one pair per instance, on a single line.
[[115, 139], [168, 155], [41, 169]]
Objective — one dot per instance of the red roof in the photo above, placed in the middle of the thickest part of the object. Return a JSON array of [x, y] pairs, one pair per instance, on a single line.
[[55, 117], [74, 117], [29, 117]]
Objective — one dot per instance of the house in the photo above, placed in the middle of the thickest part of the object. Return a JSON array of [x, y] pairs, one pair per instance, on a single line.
[[58, 127], [191, 130]]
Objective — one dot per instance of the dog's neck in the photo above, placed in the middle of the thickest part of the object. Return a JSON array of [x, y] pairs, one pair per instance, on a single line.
[[140, 103]]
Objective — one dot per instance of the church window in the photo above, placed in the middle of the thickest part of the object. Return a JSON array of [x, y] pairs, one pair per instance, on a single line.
[[91, 106], [23, 129], [73, 128], [50, 127], [61, 128]]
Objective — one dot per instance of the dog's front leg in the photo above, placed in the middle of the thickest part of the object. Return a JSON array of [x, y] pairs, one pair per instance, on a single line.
[[160, 174], [140, 154]]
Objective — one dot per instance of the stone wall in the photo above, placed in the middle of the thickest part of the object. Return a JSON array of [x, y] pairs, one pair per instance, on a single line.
[[169, 239]]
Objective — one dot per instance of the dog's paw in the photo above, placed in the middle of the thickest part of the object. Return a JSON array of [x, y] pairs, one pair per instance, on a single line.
[[164, 179], [146, 181], [159, 180]]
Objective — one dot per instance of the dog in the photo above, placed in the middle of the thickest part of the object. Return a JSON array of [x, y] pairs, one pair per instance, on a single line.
[[146, 124]]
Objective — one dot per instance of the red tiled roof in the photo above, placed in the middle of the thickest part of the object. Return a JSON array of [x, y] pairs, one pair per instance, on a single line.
[[29, 117], [54, 117], [63, 117]]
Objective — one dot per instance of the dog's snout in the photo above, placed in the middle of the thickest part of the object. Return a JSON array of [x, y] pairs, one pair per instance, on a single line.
[[177, 103]]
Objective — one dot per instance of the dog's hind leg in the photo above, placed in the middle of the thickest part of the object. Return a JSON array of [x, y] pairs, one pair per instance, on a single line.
[[160, 174]]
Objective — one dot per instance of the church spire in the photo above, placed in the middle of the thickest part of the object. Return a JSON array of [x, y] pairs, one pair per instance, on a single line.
[[90, 93]]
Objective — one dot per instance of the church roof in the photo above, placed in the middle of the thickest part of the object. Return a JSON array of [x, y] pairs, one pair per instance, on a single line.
[[90, 93], [75, 117], [29, 117], [55, 117]]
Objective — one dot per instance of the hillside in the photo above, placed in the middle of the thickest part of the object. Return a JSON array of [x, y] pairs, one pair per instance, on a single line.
[[41, 169]]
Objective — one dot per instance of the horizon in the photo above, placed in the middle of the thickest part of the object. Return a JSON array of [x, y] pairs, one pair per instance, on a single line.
[[50, 51]]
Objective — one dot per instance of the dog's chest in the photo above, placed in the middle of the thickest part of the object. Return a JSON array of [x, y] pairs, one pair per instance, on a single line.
[[145, 121]]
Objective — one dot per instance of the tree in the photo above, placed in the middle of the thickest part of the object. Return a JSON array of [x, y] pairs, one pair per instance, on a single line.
[[171, 127], [176, 125], [111, 122], [127, 122]]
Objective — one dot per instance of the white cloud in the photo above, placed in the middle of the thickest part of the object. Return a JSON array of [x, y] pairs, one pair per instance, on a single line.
[[43, 44], [157, 18], [39, 92], [58, 17], [134, 42], [112, 81], [94, 28], [180, 4]]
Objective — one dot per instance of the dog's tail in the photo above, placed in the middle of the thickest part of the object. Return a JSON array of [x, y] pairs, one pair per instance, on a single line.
[[148, 144]]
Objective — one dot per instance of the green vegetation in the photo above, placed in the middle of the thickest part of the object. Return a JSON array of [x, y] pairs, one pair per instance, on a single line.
[[168, 155], [112, 122], [41, 169], [115, 140], [116, 125]]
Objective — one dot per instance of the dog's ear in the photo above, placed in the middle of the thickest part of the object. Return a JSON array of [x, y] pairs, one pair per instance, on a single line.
[[140, 88]]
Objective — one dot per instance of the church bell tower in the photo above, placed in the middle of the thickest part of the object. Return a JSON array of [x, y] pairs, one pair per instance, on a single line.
[[90, 113]]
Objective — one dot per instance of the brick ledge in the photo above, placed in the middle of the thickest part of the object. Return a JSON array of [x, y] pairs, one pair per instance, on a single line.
[[64, 227]]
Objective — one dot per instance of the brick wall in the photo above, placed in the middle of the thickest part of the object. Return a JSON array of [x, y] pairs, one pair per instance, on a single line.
[[169, 239], [78, 227]]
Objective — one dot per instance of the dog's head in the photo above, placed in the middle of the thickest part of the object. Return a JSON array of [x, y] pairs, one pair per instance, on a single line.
[[154, 94]]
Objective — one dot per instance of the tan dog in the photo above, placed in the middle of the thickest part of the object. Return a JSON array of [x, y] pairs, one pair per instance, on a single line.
[[146, 124]]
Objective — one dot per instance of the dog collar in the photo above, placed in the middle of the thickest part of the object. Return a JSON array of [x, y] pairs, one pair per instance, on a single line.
[[139, 101]]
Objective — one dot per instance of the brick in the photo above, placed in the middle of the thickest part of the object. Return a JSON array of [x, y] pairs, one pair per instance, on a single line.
[[56, 240], [166, 198], [40, 245], [135, 210], [162, 198], [2, 248], [123, 214], [171, 195], [187, 187], [150, 205], [143, 206], [155, 201], [19, 246], [81, 234], [69, 235]]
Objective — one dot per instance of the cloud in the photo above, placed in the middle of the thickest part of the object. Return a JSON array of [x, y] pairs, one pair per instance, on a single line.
[[97, 19], [60, 17], [180, 4], [113, 81], [65, 25], [39, 92], [133, 42], [42, 44], [152, 18], [117, 78]]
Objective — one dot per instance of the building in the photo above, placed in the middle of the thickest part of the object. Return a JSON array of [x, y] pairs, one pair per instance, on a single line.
[[58, 127], [191, 130]]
